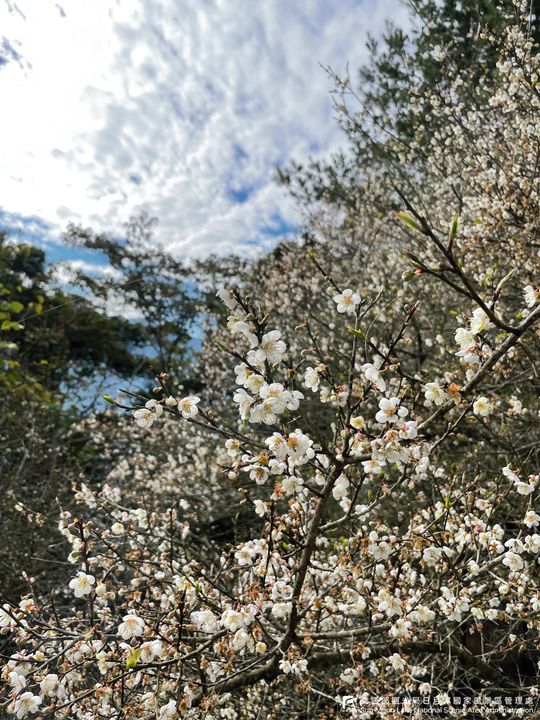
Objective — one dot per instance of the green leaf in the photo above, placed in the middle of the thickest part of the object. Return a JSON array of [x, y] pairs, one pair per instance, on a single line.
[[408, 220], [16, 306], [447, 502], [111, 401], [11, 325], [133, 658], [453, 227]]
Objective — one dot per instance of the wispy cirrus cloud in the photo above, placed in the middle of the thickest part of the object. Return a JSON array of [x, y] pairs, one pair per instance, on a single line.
[[179, 107]]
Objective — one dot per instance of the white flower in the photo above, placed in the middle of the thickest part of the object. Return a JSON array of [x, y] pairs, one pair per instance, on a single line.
[[513, 561], [479, 321], [298, 667], [292, 484], [531, 518], [341, 487], [434, 393], [5, 618], [233, 447], [281, 590], [49, 684], [146, 416], [205, 620], [232, 620], [261, 508], [358, 422], [347, 301], [244, 556], [132, 626], [408, 430], [371, 373], [82, 584], [272, 348], [17, 682], [277, 445], [299, 447], [244, 402], [532, 544], [266, 412], [237, 325], [389, 604], [482, 407], [281, 610], [397, 662], [254, 382], [422, 615], [465, 339], [240, 639], [151, 650], [373, 467], [400, 629], [27, 703], [258, 473], [532, 295], [311, 379], [285, 666], [227, 297], [168, 710], [188, 406], [523, 488], [390, 411]]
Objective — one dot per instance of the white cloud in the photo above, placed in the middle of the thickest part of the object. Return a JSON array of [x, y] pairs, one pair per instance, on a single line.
[[179, 107]]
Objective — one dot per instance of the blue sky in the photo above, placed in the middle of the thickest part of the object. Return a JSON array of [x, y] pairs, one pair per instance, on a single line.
[[179, 107]]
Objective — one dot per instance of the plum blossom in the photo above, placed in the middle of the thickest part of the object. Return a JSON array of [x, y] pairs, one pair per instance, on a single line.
[[258, 473], [227, 297], [531, 518], [233, 447], [532, 295], [513, 561], [205, 620], [49, 684], [131, 626], [479, 321], [5, 618], [372, 373], [373, 466], [434, 394], [390, 411], [146, 416], [82, 584], [169, 710], [26, 703], [358, 422], [272, 348], [298, 667], [482, 407], [397, 663], [465, 339], [347, 301], [312, 379], [401, 629], [341, 487], [188, 406], [523, 488]]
